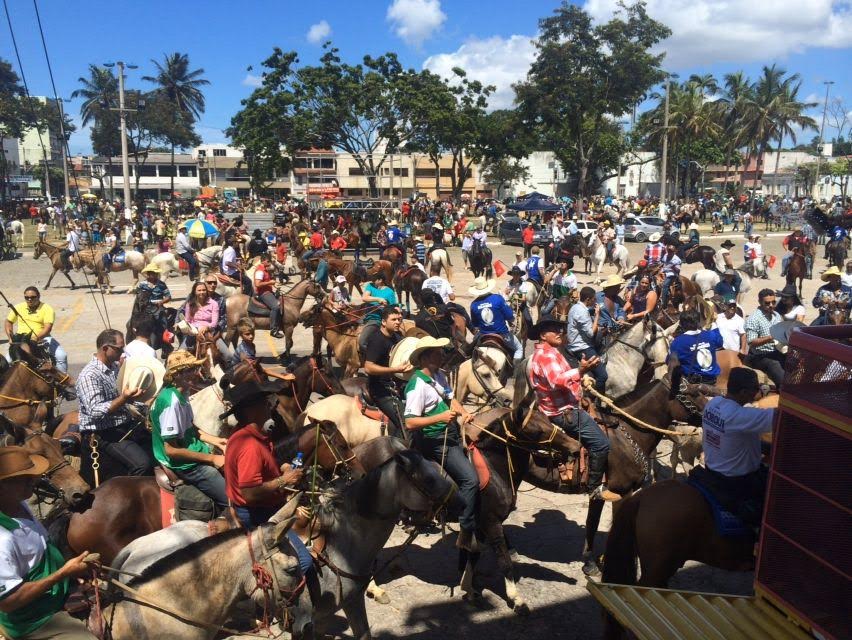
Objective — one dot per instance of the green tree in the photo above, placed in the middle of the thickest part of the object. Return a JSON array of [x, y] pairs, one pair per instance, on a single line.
[[180, 88], [15, 118], [737, 91], [502, 172], [583, 75], [99, 92]]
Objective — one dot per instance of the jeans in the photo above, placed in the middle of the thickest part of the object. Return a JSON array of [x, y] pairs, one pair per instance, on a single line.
[[598, 373], [459, 468], [271, 301], [512, 340], [743, 495], [393, 408], [253, 517], [192, 263], [771, 363], [207, 479], [664, 294], [581, 426], [57, 353]]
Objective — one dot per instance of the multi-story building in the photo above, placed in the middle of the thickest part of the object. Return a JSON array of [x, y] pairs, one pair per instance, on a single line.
[[226, 170], [151, 178], [24, 160]]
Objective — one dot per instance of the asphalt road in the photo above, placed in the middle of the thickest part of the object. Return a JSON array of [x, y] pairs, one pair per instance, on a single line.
[[547, 528]]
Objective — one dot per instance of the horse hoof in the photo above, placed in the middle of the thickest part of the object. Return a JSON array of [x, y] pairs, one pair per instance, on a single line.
[[474, 598], [591, 568], [521, 609]]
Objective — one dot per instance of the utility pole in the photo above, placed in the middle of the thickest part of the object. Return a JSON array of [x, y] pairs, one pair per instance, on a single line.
[[665, 154], [122, 112], [64, 147], [827, 84]]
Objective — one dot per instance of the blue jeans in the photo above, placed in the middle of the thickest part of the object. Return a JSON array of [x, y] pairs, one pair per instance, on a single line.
[[581, 426], [599, 372], [207, 479], [459, 468], [253, 517], [192, 263], [57, 353], [664, 294], [512, 340]]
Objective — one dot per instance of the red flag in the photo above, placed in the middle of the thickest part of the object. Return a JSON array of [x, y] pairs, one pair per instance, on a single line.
[[499, 268], [772, 260]]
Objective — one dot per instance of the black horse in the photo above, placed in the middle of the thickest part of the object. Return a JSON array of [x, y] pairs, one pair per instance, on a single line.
[[480, 260]]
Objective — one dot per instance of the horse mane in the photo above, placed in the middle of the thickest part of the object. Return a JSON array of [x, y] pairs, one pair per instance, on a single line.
[[189, 553]]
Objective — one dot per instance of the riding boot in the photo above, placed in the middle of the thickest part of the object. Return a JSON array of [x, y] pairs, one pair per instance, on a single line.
[[596, 488]]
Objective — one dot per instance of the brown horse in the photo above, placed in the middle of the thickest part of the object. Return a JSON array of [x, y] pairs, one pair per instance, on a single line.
[[54, 254], [362, 274], [126, 508], [410, 282], [291, 306], [797, 269], [30, 390], [341, 334], [395, 256]]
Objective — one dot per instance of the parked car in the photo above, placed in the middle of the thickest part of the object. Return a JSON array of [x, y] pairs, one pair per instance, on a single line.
[[511, 228], [586, 227], [639, 229]]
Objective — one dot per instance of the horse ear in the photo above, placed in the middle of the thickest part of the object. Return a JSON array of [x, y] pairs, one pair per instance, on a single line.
[[279, 533], [288, 510]]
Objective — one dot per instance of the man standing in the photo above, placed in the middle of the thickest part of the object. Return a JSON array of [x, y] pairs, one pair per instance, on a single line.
[[527, 236], [177, 442], [582, 332], [731, 326], [558, 391], [380, 383], [762, 353], [490, 313], [184, 249], [35, 321]]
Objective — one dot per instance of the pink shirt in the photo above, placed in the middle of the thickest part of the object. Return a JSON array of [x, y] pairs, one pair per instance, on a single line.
[[204, 316]]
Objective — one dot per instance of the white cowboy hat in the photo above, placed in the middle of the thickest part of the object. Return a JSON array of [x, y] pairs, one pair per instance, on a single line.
[[754, 235], [482, 286], [401, 353], [424, 343], [438, 226], [143, 372], [613, 281], [340, 279], [655, 237]]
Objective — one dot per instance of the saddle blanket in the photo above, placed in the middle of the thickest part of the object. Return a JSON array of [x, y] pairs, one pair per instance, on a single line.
[[117, 259], [728, 524]]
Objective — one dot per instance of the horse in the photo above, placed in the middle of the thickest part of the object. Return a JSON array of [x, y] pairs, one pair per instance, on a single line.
[[394, 255], [797, 269], [441, 258], [484, 374], [480, 260], [835, 251], [163, 318], [54, 254], [208, 258], [16, 227], [410, 282], [203, 582], [628, 353], [361, 274], [30, 390], [165, 261], [702, 253], [707, 279], [341, 335], [597, 257], [290, 303], [94, 260]]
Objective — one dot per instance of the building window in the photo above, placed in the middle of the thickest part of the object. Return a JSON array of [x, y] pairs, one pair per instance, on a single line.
[[167, 170], [446, 173], [147, 170], [400, 172], [187, 171], [202, 153], [356, 171], [220, 153]]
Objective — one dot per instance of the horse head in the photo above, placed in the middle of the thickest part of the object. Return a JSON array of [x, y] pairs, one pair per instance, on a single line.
[[339, 453], [533, 429], [38, 249], [496, 370], [421, 488], [273, 555]]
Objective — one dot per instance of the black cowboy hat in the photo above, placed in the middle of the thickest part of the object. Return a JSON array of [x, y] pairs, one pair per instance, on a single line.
[[516, 271], [545, 323], [247, 392], [727, 244], [788, 290]]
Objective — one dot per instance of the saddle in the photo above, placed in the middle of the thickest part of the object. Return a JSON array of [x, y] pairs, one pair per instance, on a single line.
[[228, 281], [367, 263], [403, 273], [257, 307], [495, 340], [728, 524], [369, 410], [166, 479]]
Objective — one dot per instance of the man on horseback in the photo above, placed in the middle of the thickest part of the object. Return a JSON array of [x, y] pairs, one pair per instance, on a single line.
[[607, 237], [562, 283], [35, 322], [431, 414], [583, 333], [671, 264], [732, 447], [535, 267], [184, 248], [832, 293], [558, 390], [396, 237], [490, 313], [264, 288], [516, 291], [380, 382], [177, 443]]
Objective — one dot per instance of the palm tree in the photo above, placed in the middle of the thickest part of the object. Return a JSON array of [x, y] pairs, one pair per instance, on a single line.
[[737, 91], [182, 88], [791, 116], [99, 93]]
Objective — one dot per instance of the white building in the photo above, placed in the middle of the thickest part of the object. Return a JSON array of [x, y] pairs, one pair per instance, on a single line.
[[545, 176], [155, 176], [638, 177], [25, 160]]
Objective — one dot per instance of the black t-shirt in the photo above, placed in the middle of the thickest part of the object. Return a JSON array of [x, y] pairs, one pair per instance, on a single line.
[[378, 352]]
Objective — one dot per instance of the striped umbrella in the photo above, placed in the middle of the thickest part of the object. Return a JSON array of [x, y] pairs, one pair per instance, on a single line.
[[200, 228]]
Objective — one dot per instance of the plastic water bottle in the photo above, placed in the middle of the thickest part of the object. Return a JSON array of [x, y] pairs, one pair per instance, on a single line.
[[298, 461]]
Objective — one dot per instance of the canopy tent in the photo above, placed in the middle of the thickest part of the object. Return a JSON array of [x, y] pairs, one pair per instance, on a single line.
[[535, 195], [534, 204]]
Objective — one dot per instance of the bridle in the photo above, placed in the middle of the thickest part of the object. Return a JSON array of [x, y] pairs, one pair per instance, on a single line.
[[658, 335], [45, 487], [54, 385]]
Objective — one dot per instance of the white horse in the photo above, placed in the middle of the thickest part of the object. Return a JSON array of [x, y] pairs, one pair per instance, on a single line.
[[441, 259], [208, 258], [166, 261], [488, 379], [644, 342], [345, 412], [707, 279], [134, 261], [620, 256]]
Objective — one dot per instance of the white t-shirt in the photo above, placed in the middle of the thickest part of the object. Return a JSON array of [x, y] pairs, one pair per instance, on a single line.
[[731, 330], [794, 313], [139, 348], [175, 419], [440, 286], [732, 436], [229, 257], [20, 551]]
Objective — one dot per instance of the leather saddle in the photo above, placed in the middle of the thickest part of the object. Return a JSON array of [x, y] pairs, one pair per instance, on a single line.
[[365, 262], [368, 409], [256, 307], [166, 479], [227, 280]]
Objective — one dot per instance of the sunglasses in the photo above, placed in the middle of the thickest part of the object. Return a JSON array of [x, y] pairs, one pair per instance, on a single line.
[[211, 283], [30, 297]]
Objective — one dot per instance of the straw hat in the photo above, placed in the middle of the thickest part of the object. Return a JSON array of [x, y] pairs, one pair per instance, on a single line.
[[181, 360], [831, 271], [424, 344], [142, 372], [655, 237], [151, 268], [613, 281], [482, 287], [401, 353], [17, 461]]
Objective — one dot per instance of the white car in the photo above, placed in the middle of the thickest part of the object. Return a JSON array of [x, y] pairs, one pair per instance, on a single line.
[[586, 227]]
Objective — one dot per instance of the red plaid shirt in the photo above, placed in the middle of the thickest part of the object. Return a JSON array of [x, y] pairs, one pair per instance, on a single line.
[[654, 253], [557, 385]]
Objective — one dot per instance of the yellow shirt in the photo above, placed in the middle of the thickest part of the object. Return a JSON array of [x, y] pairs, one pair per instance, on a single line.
[[34, 320]]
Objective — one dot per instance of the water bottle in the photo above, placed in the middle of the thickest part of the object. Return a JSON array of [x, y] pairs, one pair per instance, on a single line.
[[298, 461]]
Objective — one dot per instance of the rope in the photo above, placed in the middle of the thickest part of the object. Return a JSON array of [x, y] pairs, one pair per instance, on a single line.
[[640, 423]]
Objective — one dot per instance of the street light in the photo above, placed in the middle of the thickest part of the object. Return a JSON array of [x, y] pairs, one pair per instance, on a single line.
[[122, 112]]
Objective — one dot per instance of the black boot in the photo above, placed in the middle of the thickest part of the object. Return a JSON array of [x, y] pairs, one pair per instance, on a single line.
[[467, 540], [596, 488]]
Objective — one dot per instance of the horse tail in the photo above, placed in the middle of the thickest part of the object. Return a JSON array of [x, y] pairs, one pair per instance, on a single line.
[[619, 565]]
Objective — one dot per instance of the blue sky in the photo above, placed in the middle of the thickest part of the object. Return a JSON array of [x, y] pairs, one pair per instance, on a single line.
[[492, 40]]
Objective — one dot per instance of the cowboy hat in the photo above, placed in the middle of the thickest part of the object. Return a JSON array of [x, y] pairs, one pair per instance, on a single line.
[[545, 323], [613, 281], [727, 244], [401, 353], [340, 279], [142, 372], [516, 270], [781, 331], [655, 237], [17, 461], [482, 286], [151, 268], [247, 392], [831, 271], [788, 291], [438, 226], [754, 235], [181, 360], [424, 344]]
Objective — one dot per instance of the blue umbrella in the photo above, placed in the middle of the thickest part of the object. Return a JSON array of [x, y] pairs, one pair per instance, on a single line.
[[200, 228]]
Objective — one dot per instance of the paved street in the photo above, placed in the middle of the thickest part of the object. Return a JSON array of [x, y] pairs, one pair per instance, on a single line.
[[546, 528]]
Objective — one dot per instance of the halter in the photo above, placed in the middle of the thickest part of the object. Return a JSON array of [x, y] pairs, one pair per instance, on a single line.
[[55, 491], [645, 343]]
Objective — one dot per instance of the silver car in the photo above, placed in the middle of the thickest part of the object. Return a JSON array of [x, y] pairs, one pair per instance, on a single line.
[[639, 229]]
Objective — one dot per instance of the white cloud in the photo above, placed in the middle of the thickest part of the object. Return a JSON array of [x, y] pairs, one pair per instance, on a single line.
[[319, 32], [415, 21], [252, 80], [495, 60], [705, 32]]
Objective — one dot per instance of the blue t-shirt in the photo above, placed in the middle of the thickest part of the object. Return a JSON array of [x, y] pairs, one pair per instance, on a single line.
[[533, 269], [608, 319], [386, 293], [394, 235], [696, 351], [726, 289], [491, 314]]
